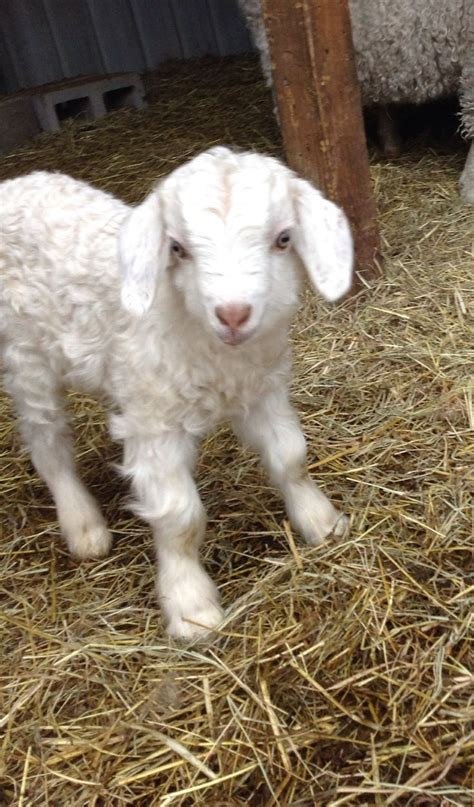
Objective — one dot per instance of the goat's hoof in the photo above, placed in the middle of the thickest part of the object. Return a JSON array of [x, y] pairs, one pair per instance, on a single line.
[[334, 526], [392, 151], [93, 541], [341, 526], [338, 528], [197, 626]]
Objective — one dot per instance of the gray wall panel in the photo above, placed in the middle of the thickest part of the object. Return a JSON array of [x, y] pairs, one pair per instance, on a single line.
[[9, 79], [48, 40], [195, 28], [73, 36], [231, 32], [156, 27], [117, 35], [26, 28]]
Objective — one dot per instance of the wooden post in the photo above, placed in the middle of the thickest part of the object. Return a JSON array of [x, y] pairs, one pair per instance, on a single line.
[[318, 99]]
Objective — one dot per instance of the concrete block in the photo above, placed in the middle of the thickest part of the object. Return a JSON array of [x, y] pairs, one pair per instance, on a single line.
[[87, 98]]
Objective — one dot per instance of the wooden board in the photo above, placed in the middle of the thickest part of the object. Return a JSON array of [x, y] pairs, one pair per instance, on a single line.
[[318, 100]]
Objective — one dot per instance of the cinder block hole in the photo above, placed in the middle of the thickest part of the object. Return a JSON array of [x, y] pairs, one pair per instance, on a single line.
[[75, 108], [116, 99]]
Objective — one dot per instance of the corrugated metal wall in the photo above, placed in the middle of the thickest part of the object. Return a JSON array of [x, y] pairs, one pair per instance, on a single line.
[[48, 40]]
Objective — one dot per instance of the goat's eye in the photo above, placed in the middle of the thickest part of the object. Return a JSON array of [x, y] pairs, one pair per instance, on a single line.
[[284, 240], [178, 250]]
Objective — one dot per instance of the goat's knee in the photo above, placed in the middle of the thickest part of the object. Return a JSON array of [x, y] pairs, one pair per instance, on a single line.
[[285, 456]]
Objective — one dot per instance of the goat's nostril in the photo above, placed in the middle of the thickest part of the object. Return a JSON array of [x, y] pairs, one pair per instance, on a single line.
[[233, 315]]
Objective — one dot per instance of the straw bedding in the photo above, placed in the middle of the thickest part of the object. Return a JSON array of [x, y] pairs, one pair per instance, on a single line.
[[343, 674]]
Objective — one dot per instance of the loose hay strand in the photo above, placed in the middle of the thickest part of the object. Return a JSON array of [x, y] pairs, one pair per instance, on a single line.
[[342, 674]]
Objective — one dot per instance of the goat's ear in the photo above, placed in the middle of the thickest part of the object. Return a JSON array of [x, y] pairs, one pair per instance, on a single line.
[[143, 254], [323, 240]]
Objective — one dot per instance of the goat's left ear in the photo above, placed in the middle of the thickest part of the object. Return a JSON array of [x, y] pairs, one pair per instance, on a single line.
[[143, 254], [323, 240]]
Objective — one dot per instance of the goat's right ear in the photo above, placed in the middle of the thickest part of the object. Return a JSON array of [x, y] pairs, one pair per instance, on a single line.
[[143, 254]]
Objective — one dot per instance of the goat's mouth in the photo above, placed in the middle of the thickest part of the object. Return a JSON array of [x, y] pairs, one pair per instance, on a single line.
[[234, 336]]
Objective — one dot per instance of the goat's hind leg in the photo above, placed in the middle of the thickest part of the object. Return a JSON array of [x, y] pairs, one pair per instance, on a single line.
[[45, 431]]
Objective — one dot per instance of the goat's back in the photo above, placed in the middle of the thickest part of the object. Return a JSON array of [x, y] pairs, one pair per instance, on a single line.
[[59, 273]]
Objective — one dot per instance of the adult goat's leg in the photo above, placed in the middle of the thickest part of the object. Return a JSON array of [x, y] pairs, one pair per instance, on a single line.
[[466, 183]]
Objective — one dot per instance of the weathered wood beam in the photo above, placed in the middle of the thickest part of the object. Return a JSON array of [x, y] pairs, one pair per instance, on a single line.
[[319, 105]]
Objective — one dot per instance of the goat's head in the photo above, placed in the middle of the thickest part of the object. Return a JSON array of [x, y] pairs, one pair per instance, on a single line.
[[230, 232]]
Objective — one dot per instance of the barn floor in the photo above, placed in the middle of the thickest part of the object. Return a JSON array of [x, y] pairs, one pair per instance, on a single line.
[[342, 673]]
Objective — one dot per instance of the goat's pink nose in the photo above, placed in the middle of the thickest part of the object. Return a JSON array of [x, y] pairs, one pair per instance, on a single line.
[[233, 315]]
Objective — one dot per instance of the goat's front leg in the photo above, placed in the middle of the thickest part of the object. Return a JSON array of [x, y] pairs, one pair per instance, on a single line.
[[271, 427], [161, 473]]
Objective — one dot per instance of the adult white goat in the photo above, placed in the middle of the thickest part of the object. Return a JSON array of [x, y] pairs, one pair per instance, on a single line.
[[177, 311]]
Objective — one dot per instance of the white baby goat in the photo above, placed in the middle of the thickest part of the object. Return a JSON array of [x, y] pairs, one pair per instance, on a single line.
[[177, 311]]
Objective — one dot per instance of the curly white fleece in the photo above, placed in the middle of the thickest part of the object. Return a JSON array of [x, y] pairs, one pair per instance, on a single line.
[[127, 303]]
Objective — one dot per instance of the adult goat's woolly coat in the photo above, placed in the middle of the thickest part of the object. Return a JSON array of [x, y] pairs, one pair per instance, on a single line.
[[407, 51]]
